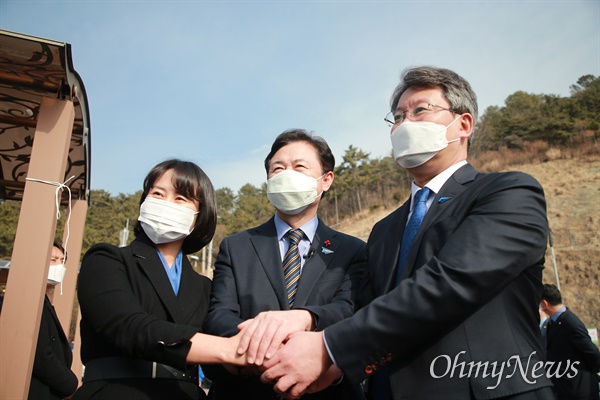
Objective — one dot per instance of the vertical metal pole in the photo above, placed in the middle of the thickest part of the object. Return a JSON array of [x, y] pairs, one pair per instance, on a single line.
[[553, 258], [209, 264]]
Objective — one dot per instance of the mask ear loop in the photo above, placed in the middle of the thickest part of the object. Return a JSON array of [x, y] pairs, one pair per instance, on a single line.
[[59, 187], [448, 126], [452, 123], [321, 177]]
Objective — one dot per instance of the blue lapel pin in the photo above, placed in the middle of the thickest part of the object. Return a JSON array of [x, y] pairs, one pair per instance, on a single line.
[[444, 199]]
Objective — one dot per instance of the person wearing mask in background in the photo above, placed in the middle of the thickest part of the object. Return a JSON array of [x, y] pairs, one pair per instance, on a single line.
[[142, 305], [569, 347], [51, 376], [453, 276], [292, 273]]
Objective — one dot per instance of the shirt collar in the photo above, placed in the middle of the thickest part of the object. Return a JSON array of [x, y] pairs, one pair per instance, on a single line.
[[555, 316], [309, 228], [435, 185], [174, 272]]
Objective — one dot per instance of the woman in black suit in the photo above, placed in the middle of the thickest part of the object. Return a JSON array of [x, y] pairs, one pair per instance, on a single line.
[[143, 305], [51, 376]]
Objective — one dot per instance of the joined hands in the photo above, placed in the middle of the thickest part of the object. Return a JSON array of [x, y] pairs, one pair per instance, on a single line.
[[277, 344]]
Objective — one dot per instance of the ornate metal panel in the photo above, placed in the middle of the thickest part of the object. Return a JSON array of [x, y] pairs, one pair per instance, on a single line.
[[32, 68]]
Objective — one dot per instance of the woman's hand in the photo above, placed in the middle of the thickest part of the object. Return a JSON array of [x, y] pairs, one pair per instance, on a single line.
[[209, 349], [231, 355]]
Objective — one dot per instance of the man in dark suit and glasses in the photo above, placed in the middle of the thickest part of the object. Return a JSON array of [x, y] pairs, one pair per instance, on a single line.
[[569, 348], [292, 273], [463, 298]]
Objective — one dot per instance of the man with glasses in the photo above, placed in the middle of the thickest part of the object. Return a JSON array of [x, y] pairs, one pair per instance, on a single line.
[[453, 280]]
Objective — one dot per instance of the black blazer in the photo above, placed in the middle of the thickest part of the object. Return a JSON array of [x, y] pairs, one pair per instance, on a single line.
[[568, 342], [248, 279], [51, 377], [128, 308], [469, 292]]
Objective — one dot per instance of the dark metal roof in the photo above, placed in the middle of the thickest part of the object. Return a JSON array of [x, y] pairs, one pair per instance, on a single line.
[[32, 68]]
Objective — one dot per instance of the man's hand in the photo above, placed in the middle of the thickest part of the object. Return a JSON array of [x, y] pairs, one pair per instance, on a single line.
[[264, 334], [332, 374], [296, 365]]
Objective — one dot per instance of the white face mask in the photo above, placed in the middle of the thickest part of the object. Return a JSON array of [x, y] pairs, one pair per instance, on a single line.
[[415, 143], [165, 222], [291, 192], [56, 274]]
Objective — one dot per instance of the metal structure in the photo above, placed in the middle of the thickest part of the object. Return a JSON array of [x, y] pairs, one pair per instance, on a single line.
[[44, 142]]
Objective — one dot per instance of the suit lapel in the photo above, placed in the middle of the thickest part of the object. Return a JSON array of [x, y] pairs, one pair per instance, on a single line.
[[51, 309], [266, 246], [555, 327], [186, 294], [316, 265], [146, 257], [55, 319], [453, 187], [389, 254]]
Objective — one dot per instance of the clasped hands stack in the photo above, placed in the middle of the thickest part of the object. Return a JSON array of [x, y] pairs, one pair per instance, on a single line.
[[281, 347]]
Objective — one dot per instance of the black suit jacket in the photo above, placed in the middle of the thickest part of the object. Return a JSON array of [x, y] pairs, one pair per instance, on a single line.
[[51, 377], [129, 309], [568, 342], [469, 293], [248, 279]]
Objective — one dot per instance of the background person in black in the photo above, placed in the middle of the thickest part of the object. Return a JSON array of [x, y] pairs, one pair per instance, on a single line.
[[51, 377], [568, 342]]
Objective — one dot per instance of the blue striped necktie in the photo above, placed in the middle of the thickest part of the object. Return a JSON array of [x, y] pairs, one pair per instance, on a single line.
[[412, 227], [291, 264], [380, 381]]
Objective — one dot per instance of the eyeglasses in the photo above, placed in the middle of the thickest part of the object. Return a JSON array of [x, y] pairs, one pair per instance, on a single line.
[[417, 113]]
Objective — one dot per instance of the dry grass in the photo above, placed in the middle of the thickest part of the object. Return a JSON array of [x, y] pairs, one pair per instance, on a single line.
[[571, 180]]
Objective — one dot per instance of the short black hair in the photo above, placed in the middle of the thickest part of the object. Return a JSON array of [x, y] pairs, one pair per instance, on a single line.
[[551, 294], [59, 246], [191, 182], [456, 89], [300, 135]]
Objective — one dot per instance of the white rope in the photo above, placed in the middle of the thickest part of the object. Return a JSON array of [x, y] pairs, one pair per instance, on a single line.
[[59, 187]]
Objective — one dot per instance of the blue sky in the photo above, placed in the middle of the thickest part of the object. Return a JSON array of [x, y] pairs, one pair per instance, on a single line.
[[214, 82]]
